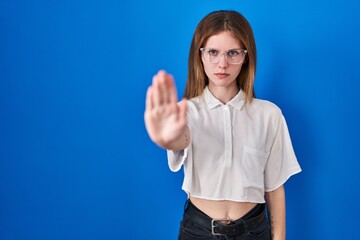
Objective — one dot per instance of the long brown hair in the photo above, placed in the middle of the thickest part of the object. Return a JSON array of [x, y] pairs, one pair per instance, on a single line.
[[213, 24]]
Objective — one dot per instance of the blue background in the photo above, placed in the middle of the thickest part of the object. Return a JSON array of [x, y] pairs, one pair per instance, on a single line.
[[75, 159]]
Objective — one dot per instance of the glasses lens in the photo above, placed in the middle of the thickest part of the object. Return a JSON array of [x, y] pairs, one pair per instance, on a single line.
[[233, 56], [214, 58]]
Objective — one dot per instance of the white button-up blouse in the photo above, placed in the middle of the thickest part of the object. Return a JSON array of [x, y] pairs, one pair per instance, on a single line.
[[237, 151]]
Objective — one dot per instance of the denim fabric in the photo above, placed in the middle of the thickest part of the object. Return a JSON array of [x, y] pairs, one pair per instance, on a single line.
[[192, 230]]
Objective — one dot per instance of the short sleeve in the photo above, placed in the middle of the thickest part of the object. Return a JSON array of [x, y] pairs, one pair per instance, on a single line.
[[177, 158], [281, 163]]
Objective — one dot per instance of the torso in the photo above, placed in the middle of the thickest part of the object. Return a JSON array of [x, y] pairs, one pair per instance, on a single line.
[[222, 209]]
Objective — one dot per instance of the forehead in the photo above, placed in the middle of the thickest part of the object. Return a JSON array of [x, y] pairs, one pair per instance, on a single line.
[[224, 40]]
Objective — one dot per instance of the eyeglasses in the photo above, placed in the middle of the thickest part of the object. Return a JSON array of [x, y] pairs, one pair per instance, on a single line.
[[233, 56]]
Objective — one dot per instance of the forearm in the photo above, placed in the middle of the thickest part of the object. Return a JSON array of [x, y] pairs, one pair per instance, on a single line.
[[277, 212]]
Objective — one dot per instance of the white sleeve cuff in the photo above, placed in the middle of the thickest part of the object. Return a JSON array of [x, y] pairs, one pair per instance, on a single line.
[[176, 158]]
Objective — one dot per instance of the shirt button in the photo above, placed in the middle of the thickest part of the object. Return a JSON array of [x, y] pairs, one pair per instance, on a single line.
[[226, 108]]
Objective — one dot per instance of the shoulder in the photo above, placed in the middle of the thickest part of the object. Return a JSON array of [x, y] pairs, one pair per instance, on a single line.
[[264, 108], [196, 103]]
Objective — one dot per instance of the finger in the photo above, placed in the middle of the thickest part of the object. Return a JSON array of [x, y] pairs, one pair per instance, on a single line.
[[149, 100], [155, 92], [182, 110], [163, 93], [172, 93]]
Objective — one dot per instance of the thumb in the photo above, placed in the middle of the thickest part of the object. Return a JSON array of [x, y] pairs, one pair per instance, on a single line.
[[182, 108]]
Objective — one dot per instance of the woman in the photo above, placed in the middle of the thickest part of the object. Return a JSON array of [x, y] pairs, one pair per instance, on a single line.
[[236, 149]]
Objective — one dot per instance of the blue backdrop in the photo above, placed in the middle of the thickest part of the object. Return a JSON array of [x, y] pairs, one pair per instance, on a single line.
[[75, 159]]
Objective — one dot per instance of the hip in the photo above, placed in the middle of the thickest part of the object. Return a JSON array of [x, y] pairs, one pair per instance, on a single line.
[[198, 225]]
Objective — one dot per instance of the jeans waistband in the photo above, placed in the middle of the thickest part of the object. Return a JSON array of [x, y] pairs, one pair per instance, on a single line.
[[238, 227]]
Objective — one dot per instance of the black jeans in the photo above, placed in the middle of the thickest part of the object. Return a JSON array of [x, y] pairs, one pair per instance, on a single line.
[[197, 225]]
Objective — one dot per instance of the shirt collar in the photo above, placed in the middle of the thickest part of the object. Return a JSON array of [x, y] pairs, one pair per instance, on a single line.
[[236, 102]]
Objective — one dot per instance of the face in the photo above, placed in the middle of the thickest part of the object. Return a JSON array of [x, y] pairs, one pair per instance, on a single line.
[[221, 74]]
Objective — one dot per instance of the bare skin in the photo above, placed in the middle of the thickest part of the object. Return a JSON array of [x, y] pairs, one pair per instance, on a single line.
[[276, 206], [165, 117], [222, 209]]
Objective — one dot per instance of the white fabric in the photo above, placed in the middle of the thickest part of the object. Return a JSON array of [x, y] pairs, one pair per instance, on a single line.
[[237, 151]]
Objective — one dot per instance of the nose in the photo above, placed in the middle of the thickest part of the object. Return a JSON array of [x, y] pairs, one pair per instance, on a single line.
[[223, 64]]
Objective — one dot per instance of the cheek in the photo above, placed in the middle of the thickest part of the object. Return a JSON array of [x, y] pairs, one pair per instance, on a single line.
[[208, 69], [237, 70]]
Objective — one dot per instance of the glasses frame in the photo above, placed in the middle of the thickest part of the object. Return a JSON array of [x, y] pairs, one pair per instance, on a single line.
[[225, 54]]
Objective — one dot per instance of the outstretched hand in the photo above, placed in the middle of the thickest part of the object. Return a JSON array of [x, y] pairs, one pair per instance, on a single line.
[[165, 117]]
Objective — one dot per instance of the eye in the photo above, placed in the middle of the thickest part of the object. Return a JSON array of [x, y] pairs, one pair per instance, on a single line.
[[213, 52], [233, 53]]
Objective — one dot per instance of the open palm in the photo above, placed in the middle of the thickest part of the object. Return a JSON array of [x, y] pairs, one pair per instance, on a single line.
[[165, 117]]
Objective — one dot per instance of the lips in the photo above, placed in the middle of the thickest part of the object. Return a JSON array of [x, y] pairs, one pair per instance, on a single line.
[[221, 75]]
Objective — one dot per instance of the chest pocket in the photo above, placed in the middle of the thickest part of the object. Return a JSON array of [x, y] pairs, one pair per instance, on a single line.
[[253, 167]]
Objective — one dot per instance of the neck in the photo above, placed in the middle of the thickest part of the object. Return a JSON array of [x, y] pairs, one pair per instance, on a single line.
[[224, 94]]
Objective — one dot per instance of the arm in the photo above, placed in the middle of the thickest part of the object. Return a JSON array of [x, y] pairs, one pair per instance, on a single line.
[[165, 117], [276, 206]]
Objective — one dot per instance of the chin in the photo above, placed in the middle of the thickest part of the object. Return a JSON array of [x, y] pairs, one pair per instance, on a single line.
[[223, 83]]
